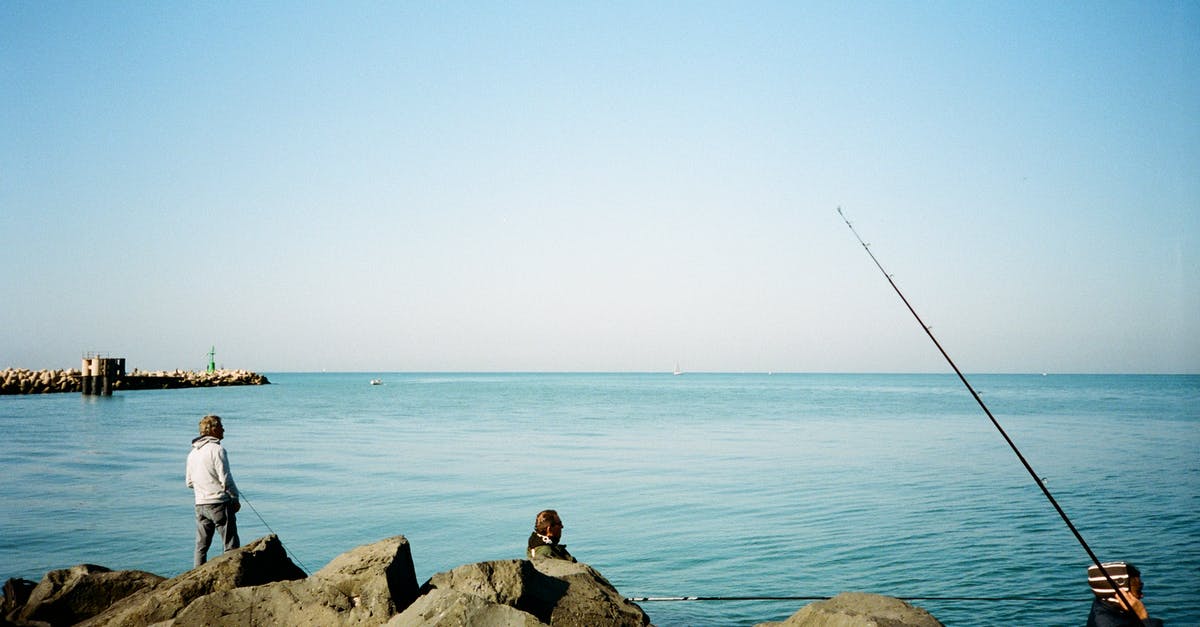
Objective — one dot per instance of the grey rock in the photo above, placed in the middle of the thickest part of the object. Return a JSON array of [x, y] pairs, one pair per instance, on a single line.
[[380, 575], [590, 599], [68, 596], [858, 609], [299, 602], [364, 586], [260, 562], [371, 585], [546, 592], [448, 607]]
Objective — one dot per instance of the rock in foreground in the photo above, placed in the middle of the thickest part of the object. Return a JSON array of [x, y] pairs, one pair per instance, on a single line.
[[375, 584], [260, 562], [521, 593], [858, 609], [256, 585], [365, 586], [68, 596]]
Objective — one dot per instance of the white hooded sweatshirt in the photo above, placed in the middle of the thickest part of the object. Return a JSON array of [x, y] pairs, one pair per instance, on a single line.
[[208, 472]]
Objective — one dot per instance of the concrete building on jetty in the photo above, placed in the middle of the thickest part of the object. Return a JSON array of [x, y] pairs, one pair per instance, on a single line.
[[98, 374], [101, 375]]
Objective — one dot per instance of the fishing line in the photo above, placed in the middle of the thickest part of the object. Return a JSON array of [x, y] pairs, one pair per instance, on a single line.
[[820, 598], [242, 497], [996, 423]]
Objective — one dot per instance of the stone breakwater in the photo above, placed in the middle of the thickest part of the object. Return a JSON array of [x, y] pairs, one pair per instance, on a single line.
[[374, 584], [23, 381]]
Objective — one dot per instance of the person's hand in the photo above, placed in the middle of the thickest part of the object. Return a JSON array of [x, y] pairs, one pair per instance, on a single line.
[[1133, 601]]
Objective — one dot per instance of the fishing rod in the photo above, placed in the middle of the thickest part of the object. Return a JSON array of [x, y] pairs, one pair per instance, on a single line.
[[242, 498], [867, 247]]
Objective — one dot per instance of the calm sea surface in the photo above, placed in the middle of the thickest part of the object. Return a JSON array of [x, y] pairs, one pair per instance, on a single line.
[[692, 485]]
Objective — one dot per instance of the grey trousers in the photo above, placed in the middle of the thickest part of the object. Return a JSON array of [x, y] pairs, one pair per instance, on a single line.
[[216, 516]]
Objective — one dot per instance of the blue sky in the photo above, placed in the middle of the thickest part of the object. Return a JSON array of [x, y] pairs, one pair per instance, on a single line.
[[609, 186]]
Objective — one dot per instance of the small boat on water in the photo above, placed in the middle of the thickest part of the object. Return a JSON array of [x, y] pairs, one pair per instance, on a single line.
[[677, 370], [376, 381]]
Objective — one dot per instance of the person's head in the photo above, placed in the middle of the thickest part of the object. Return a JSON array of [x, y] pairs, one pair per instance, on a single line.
[[211, 425], [1125, 575], [548, 524]]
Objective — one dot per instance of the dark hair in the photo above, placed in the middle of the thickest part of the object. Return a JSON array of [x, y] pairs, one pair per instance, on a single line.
[[544, 518]]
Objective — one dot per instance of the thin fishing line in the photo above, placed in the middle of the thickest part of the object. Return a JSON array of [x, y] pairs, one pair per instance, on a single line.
[[996, 423], [824, 598], [242, 497]]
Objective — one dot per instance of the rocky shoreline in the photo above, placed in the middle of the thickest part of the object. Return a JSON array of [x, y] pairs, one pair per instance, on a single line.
[[24, 381], [374, 584]]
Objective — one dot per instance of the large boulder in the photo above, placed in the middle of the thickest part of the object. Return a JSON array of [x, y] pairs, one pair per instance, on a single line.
[[260, 562], [380, 576], [590, 599], [858, 609], [521, 593], [68, 596], [365, 586]]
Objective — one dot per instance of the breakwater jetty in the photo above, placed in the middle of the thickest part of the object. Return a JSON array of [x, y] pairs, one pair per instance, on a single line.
[[24, 381]]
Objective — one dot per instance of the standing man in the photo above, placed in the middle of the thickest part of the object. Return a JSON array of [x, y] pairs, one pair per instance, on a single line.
[[547, 531], [216, 493]]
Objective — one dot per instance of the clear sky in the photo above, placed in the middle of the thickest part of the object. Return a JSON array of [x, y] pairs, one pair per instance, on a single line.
[[601, 186]]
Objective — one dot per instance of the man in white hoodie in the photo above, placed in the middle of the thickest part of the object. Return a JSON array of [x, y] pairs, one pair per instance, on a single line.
[[216, 493]]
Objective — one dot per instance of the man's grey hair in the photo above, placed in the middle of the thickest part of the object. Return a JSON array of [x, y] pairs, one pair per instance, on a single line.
[[209, 424]]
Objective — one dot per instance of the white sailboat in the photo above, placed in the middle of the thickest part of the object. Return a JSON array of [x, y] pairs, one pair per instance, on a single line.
[[677, 370]]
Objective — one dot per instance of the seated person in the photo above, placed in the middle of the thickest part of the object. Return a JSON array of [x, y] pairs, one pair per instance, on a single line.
[[543, 542], [1110, 611]]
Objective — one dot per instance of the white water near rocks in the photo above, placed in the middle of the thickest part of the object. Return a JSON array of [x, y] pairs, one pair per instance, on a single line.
[[696, 485]]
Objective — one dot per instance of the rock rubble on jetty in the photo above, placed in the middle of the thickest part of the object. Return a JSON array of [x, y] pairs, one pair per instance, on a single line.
[[23, 381], [161, 380], [375, 584]]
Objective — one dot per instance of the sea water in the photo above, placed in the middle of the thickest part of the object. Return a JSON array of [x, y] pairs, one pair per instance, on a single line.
[[695, 485]]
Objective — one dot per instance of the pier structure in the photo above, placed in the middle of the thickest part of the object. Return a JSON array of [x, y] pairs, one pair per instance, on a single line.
[[99, 374]]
